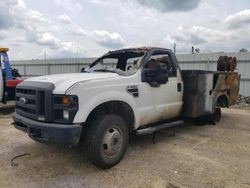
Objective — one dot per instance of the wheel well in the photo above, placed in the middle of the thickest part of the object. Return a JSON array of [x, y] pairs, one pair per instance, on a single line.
[[222, 101], [114, 107]]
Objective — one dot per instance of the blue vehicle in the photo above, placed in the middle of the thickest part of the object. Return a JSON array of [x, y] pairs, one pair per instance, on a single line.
[[8, 77]]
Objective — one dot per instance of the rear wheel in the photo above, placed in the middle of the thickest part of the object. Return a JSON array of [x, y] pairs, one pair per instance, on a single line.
[[106, 140], [200, 121], [216, 116]]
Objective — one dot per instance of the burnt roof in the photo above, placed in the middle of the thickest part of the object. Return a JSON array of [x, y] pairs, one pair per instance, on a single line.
[[139, 49]]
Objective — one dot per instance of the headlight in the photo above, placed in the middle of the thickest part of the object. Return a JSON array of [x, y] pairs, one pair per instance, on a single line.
[[65, 108]]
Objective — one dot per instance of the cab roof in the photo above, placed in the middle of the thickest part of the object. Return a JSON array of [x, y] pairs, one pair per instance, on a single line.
[[136, 49]]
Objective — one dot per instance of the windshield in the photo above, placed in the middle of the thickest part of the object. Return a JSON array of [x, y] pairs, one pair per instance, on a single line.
[[123, 63]]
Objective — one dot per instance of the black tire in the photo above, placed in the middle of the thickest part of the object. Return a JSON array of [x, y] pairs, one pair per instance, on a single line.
[[215, 117], [106, 140], [200, 121], [217, 114]]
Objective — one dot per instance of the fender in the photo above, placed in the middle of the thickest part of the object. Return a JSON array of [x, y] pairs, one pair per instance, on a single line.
[[87, 106], [222, 100]]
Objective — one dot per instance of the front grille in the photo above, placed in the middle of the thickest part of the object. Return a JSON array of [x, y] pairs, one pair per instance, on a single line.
[[26, 91], [34, 100], [26, 102]]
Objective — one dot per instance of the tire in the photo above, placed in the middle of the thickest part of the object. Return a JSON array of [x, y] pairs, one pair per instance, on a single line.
[[106, 140], [215, 117], [217, 114], [200, 121]]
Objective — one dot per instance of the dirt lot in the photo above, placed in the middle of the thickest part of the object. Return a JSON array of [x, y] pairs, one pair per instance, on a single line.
[[196, 156]]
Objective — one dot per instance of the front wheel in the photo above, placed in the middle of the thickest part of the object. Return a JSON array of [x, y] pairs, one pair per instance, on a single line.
[[106, 140]]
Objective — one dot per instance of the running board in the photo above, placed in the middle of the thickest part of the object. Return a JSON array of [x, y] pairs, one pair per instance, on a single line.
[[150, 130]]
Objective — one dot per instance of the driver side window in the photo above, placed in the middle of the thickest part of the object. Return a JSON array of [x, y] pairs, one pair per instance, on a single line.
[[163, 59]]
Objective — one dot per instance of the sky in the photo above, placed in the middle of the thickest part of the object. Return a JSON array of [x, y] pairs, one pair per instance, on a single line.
[[90, 28]]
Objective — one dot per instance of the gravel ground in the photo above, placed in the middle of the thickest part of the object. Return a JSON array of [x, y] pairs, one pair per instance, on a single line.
[[195, 156]]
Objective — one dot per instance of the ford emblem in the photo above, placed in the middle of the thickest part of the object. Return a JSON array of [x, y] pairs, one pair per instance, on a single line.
[[22, 101]]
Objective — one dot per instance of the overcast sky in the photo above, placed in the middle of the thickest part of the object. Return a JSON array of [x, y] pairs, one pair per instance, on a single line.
[[84, 28]]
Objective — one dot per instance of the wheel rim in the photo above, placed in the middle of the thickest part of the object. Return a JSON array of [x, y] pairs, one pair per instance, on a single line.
[[112, 142]]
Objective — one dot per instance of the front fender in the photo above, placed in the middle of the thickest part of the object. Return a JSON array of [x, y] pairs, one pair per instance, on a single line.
[[86, 106]]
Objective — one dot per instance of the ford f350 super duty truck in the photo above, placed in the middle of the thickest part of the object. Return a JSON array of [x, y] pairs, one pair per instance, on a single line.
[[137, 90]]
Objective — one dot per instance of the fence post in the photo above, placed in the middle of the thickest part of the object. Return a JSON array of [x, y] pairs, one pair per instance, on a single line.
[[48, 67], [78, 67], [24, 69]]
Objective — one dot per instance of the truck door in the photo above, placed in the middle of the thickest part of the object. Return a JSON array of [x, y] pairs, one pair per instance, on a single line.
[[167, 95]]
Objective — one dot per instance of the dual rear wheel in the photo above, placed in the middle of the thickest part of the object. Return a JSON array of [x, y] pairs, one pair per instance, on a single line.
[[215, 117], [210, 119]]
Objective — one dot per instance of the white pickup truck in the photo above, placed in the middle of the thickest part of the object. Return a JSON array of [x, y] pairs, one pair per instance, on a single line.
[[137, 90]]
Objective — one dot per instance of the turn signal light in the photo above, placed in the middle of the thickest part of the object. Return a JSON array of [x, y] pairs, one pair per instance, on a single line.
[[66, 100]]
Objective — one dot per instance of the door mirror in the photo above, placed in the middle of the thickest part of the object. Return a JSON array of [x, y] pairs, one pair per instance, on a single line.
[[157, 76]]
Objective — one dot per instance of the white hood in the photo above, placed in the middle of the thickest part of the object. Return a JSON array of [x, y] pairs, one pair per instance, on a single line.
[[63, 81]]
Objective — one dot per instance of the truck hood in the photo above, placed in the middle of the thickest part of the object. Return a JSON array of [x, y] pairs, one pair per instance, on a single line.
[[63, 81]]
